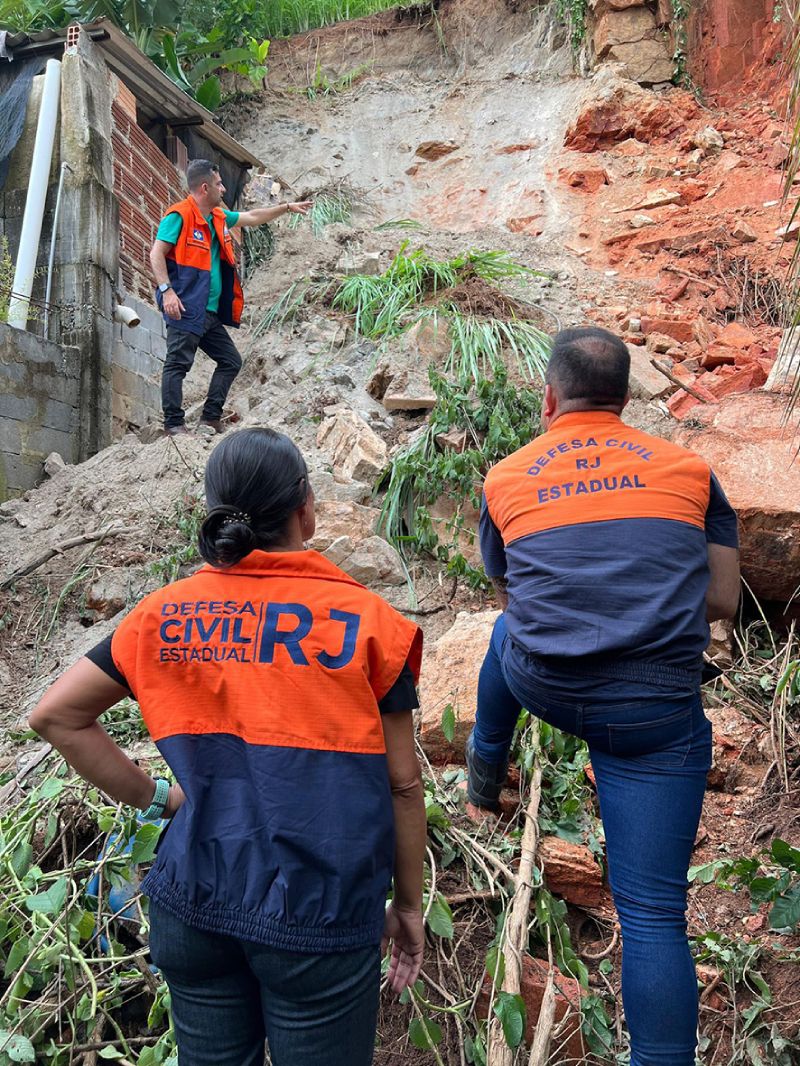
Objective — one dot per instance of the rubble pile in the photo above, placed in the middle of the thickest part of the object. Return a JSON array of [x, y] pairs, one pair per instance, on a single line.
[[689, 198]]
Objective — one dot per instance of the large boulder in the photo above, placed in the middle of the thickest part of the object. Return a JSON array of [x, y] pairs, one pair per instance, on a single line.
[[372, 562], [341, 518], [631, 37], [356, 450], [753, 455], [450, 678], [615, 109]]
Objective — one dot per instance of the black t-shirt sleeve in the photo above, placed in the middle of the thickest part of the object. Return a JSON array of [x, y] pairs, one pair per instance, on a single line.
[[100, 655], [402, 696], [721, 524]]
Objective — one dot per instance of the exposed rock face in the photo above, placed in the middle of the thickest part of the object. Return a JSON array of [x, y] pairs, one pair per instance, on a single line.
[[631, 37], [757, 472], [450, 676], [615, 109], [357, 452]]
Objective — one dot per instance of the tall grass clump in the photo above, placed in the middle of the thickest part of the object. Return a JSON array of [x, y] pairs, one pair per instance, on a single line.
[[286, 17], [417, 287], [327, 209]]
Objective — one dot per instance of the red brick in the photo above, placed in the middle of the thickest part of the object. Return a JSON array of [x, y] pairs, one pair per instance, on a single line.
[[677, 328], [568, 1001], [571, 871]]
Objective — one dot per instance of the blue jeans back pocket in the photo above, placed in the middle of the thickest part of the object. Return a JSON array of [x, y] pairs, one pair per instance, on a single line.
[[665, 741]]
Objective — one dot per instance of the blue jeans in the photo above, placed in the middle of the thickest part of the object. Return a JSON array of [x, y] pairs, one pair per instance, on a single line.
[[229, 995], [651, 750]]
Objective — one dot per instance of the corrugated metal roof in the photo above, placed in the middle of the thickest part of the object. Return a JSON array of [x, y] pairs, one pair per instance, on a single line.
[[158, 96]]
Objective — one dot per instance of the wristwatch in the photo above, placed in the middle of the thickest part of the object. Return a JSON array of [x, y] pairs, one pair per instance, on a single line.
[[160, 797], [162, 288]]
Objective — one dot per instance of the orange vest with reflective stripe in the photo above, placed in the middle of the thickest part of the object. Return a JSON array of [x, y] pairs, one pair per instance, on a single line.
[[189, 268]]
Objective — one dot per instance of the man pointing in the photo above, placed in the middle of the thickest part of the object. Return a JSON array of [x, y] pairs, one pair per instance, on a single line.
[[198, 290]]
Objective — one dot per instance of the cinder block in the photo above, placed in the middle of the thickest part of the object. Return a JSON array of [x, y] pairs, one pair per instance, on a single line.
[[11, 372], [60, 416], [11, 433], [21, 473], [17, 408], [43, 440]]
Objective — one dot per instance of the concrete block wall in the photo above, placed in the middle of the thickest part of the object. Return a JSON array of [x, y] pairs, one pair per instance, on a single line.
[[145, 184], [39, 407], [137, 361]]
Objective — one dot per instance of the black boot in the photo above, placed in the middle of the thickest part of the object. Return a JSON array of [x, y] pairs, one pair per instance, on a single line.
[[484, 780]]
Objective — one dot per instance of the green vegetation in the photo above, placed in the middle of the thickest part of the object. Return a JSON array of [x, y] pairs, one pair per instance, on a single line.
[[385, 305], [6, 278], [73, 965], [771, 878], [259, 247], [185, 521], [195, 43], [321, 84], [573, 15], [495, 419], [282, 18], [680, 13], [327, 209]]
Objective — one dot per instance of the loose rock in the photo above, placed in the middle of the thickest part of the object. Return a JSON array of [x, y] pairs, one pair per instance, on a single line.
[[358, 453], [450, 678]]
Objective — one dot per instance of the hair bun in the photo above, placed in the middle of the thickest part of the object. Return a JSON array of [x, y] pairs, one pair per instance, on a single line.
[[226, 536]]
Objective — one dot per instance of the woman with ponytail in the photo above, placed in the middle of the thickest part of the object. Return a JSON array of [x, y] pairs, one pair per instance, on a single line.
[[279, 692]]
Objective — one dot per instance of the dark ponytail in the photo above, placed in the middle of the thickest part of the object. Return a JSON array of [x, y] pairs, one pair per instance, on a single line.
[[255, 480]]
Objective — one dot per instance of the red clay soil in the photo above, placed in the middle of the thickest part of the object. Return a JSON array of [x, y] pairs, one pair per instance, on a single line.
[[690, 196]]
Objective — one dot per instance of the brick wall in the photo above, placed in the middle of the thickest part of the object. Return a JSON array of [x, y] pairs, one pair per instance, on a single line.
[[145, 183]]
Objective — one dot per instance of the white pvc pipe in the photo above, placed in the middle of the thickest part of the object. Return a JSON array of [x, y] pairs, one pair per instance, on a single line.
[[126, 315], [19, 304]]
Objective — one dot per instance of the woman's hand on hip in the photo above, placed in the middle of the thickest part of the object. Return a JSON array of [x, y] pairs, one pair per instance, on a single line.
[[175, 801], [406, 930]]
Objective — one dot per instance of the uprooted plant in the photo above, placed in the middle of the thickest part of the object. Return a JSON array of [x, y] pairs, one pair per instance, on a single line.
[[468, 430], [460, 297]]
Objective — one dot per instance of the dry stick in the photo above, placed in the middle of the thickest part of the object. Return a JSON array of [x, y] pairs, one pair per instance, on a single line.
[[46, 556], [516, 927], [540, 1047], [677, 381], [16, 782]]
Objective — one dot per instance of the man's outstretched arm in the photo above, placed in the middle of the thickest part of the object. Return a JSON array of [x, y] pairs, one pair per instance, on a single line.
[[257, 216]]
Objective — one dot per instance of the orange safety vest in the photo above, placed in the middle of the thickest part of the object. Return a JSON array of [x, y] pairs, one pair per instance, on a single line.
[[189, 268], [260, 686]]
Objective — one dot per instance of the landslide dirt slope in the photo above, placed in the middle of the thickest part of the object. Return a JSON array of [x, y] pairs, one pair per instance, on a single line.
[[458, 123]]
